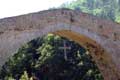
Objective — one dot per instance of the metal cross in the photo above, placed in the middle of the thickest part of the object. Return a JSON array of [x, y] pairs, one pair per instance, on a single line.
[[65, 48]]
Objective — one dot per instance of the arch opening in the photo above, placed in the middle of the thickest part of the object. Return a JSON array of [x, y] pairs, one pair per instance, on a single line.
[[83, 71]]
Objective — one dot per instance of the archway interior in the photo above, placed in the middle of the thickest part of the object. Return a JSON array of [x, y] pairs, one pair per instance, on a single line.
[[43, 56]]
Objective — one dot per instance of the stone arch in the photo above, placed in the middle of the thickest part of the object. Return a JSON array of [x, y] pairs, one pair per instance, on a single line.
[[100, 37]]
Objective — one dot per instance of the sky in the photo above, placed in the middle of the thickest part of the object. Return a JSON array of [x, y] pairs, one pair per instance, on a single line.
[[10, 8]]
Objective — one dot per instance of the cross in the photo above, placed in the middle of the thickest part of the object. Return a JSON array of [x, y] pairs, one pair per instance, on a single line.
[[65, 48]]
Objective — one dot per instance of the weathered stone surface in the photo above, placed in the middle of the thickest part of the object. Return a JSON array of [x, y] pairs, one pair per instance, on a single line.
[[100, 37]]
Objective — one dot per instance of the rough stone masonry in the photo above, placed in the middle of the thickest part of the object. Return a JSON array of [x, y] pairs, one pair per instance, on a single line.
[[99, 36]]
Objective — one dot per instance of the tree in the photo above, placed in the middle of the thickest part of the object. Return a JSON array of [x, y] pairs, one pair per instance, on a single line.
[[108, 9]]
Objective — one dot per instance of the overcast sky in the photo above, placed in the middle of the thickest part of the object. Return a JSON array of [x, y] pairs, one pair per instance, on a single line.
[[17, 7]]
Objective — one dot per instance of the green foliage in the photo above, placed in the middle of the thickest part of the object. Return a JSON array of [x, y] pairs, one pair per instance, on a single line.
[[117, 19], [24, 76], [9, 78], [41, 59], [108, 9]]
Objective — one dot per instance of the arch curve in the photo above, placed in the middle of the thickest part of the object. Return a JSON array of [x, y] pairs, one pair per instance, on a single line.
[[100, 37]]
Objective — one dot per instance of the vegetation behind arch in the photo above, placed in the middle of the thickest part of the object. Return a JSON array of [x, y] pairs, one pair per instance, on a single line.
[[41, 59]]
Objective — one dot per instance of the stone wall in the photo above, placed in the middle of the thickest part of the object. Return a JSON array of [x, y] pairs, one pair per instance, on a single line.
[[101, 37]]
